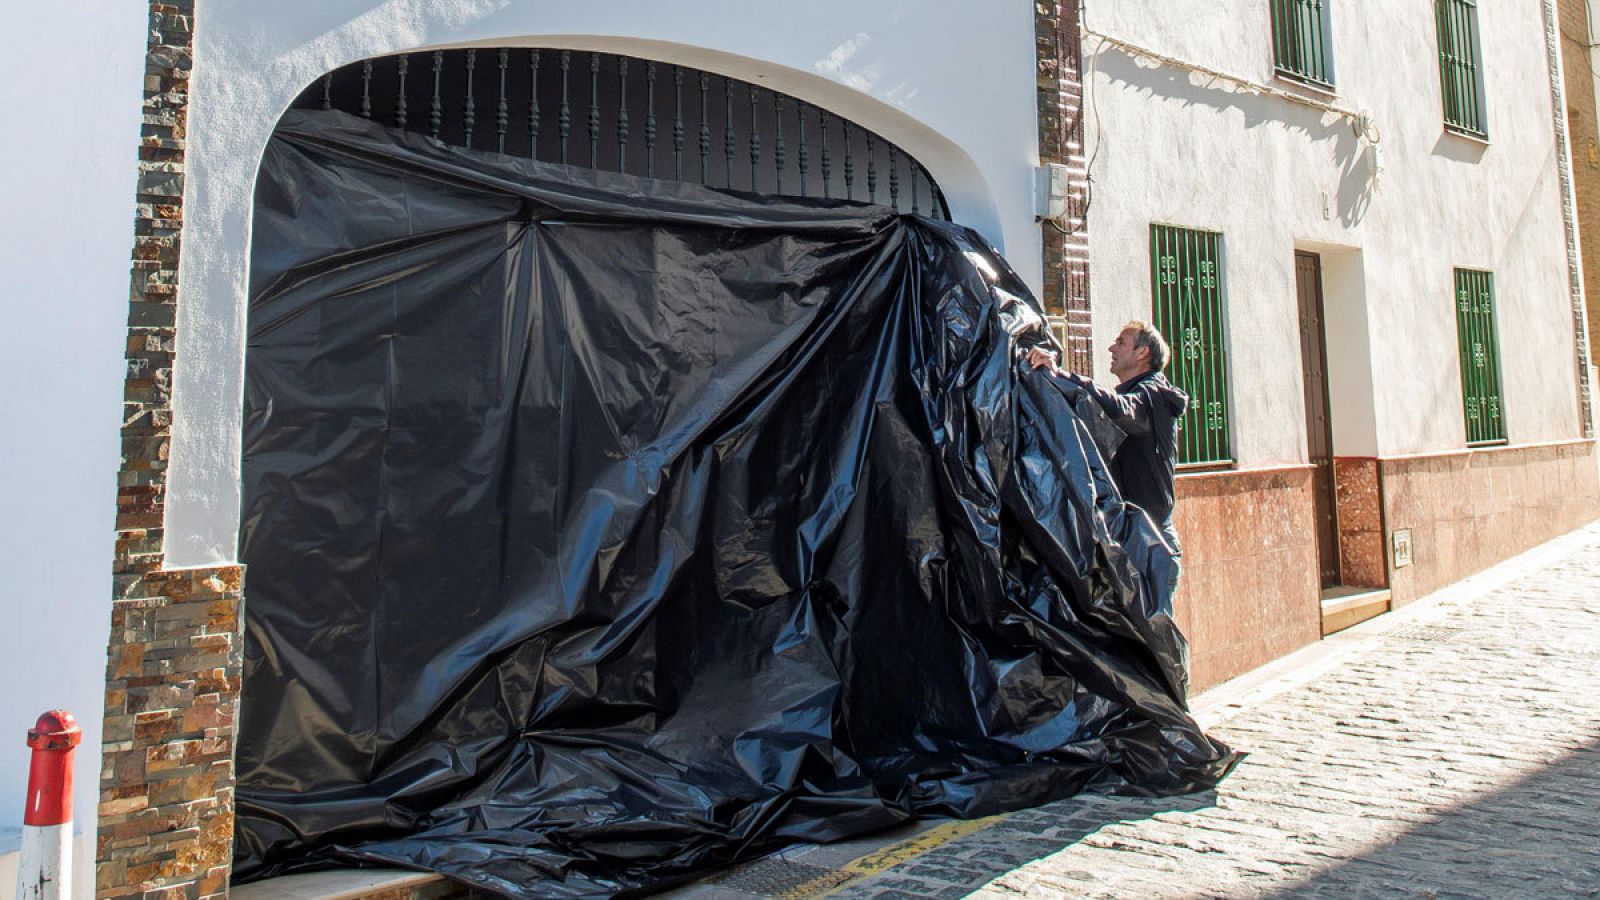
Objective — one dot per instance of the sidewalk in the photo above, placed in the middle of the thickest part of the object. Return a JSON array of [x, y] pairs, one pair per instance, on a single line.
[[1451, 749]]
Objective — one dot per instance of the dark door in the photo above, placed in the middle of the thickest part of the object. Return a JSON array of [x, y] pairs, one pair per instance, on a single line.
[[1319, 429]]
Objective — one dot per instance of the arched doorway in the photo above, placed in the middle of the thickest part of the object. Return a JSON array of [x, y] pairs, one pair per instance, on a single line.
[[625, 114]]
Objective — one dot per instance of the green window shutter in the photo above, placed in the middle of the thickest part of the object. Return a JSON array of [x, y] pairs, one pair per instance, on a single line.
[[1187, 293], [1300, 45], [1480, 357], [1461, 66]]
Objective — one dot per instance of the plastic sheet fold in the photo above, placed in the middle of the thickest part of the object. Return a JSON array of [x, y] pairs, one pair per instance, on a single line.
[[601, 531]]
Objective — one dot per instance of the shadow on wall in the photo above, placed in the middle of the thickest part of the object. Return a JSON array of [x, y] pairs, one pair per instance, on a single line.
[[1354, 160]]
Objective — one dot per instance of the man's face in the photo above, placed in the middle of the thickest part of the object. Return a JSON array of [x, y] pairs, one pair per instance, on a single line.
[[1127, 360]]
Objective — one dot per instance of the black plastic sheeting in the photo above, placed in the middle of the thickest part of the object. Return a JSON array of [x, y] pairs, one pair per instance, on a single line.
[[603, 530]]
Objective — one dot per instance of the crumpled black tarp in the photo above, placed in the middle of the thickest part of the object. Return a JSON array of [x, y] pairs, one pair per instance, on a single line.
[[603, 530]]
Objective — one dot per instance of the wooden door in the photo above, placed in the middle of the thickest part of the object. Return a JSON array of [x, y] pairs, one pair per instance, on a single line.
[[1319, 427]]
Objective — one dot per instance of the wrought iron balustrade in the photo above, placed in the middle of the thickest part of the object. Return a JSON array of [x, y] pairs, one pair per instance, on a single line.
[[624, 114]]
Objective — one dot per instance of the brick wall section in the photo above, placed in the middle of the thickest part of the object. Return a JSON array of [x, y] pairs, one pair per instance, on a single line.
[[172, 677], [1066, 256], [1574, 97]]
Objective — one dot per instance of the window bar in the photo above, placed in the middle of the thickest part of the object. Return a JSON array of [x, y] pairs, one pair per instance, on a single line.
[[1196, 250], [1470, 67], [827, 162], [1280, 34], [872, 166], [1496, 388], [1480, 357], [1304, 36], [1474, 350], [1447, 62], [728, 144], [1461, 303], [650, 120], [1319, 60], [1298, 29], [779, 153], [327, 91], [1197, 245], [1457, 62], [1189, 332], [916, 186], [1486, 334], [1187, 287], [469, 116], [402, 64], [436, 106], [1218, 346], [755, 141], [594, 110], [533, 104], [366, 89], [894, 176], [564, 123], [502, 112], [622, 114], [849, 163]]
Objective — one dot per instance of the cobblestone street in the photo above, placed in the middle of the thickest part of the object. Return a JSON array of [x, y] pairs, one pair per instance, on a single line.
[[1450, 749]]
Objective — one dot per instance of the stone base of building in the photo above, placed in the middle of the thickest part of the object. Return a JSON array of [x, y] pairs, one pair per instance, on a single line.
[[1249, 589], [1469, 510], [1251, 593]]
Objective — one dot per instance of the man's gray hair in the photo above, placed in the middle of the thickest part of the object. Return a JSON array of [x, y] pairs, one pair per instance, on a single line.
[[1151, 339]]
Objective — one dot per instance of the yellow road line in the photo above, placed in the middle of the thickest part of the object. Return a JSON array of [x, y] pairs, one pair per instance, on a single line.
[[885, 858]]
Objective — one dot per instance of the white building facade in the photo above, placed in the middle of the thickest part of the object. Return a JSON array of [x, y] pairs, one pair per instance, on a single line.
[[1190, 132], [1376, 160]]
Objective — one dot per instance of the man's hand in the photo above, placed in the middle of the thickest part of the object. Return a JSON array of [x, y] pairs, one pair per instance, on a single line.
[[1041, 358]]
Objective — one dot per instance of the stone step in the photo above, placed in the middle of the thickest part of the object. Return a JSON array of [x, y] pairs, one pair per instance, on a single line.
[[1343, 607]]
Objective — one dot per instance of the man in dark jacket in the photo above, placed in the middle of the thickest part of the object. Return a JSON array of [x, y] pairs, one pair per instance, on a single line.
[[1146, 407]]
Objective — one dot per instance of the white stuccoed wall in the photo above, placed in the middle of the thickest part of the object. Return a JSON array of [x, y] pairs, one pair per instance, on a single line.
[[1188, 150], [67, 173], [952, 82]]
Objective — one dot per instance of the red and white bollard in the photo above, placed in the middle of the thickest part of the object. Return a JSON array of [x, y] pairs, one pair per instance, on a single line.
[[45, 869]]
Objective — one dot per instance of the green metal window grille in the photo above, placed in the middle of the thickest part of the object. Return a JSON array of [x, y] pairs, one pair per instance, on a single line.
[[1300, 40], [1187, 292], [1480, 357], [1461, 65]]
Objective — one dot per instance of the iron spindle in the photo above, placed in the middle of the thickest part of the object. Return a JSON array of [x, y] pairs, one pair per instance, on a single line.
[[622, 114], [594, 110], [755, 141], [677, 123], [800, 109], [849, 164], [894, 177], [402, 64], [565, 121], [327, 91], [827, 162], [650, 120], [502, 112], [469, 115], [533, 104], [705, 127], [915, 187], [728, 144], [777, 148], [436, 106], [366, 89], [872, 169]]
